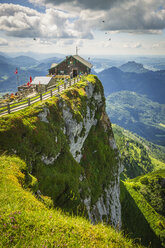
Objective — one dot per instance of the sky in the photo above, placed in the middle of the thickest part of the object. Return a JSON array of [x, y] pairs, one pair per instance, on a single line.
[[96, 27]]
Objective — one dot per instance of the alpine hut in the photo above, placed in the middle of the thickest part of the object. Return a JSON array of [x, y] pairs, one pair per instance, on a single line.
[[72, 65]]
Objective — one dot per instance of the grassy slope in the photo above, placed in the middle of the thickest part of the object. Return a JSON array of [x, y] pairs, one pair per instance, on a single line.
[[26, 221], [143, 207]]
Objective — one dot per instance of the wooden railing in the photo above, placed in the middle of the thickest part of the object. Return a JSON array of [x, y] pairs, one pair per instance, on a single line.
[[51, 91]]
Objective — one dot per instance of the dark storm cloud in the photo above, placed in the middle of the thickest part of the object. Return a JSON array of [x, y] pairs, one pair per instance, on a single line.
[[85, 4]]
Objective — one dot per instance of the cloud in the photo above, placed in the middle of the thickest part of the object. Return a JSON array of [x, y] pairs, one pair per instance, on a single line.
[[105, 44], [132, 45], [138, 18], [132, 16], [19, 21], [137, 45], [83, 4], [3, 42], [70, 42], [159, 45], [78, 19]]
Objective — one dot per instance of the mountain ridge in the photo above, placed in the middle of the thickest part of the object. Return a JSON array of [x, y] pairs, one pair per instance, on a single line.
[[132, 66], [151, 83]]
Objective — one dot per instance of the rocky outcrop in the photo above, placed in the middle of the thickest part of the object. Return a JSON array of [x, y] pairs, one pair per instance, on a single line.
[[107, 208], [74, 128], [68, 144]]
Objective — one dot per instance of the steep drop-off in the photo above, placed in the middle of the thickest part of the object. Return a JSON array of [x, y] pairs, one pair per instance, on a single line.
[[68, 145], [143, 205], [142, 198]]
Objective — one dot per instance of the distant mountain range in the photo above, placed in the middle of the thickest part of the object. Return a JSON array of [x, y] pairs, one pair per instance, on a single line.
[[130, 76], [35, 55], [138, 114], [129, 82], [150, 83], [26, 66], [23, 61]]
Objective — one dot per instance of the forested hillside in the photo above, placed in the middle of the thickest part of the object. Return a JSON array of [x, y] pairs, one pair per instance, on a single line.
[[142, 197]]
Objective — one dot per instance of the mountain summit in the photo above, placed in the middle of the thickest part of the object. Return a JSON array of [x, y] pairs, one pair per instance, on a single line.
[[132, 66]]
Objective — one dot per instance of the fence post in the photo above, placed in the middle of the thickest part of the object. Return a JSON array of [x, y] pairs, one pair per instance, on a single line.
[[8, 108], [74, 80], [28, 101], [51, 93], [64, 86], [41, 96], [70, 83], [58, 88]]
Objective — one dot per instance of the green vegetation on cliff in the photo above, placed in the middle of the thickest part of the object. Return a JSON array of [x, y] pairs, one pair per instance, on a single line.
[[99, 161], [37, 135], [33, 140], [29, 220]]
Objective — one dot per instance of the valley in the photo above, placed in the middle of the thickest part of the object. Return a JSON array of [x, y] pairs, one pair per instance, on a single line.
[[138, 114]]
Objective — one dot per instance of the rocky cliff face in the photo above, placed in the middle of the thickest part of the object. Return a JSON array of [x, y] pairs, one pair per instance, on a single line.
[[69, 146]]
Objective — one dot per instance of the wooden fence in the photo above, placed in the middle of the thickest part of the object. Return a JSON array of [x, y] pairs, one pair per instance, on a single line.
[[51, 91]]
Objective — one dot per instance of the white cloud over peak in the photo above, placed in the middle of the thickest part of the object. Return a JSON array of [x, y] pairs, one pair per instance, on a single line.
[[19, 21]]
